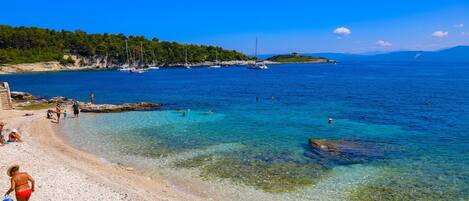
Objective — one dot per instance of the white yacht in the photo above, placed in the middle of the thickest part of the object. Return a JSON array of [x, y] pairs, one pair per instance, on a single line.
[[217, 65], [258, 65]]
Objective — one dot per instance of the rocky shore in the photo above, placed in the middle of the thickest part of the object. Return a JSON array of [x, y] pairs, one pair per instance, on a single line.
[[25, 100]]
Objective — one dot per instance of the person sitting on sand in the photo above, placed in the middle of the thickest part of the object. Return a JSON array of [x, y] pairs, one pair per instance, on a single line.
[[20, 183], [2, 140], [14, 136]]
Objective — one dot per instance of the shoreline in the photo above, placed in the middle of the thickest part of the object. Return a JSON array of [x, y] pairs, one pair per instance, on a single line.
[[44, 67], [57, 165]]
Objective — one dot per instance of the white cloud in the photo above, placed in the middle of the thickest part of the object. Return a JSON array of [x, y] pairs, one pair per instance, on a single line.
[[342, 31], [440, 34], [383, 43], [459, 25]]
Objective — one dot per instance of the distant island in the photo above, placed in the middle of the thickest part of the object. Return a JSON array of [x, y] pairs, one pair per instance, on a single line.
[[52, 49], [297, 58]]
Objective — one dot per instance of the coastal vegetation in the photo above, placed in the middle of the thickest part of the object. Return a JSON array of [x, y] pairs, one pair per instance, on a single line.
[[32, 44], [297, 58]]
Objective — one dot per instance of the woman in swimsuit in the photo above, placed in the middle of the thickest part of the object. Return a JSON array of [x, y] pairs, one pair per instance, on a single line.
[[20, 183]]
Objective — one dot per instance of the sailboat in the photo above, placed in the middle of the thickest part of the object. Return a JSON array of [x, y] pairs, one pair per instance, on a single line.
[[155, 63], [258, 64], [141, 63], [186, 64], [216, 61], [126, 67]]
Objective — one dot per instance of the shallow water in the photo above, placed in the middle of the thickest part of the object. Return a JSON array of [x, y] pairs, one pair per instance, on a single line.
[[415, 116]]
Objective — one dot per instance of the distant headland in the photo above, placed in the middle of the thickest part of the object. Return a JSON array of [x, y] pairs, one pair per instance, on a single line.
[[297, 58], [26, 49]]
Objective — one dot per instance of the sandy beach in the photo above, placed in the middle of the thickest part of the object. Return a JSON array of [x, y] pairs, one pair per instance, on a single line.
[[65, 173]]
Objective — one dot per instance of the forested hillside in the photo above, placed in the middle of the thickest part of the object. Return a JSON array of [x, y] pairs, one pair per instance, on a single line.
[[31, 44]]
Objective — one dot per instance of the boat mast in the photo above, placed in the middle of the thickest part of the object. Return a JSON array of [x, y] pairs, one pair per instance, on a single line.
[[141, 54], [255, 52], [127, 52], [185, 57]]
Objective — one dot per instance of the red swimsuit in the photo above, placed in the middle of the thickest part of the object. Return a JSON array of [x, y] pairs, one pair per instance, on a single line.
[[24, 194]]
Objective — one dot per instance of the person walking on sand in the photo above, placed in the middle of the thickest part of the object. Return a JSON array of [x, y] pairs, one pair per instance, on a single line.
[[20, 183], [76, 109], [91, 97], [58, 111]]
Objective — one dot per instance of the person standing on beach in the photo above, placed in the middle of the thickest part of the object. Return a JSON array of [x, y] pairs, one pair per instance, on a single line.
[[76, 109], [20, 183], [91, 97], [58, 111]]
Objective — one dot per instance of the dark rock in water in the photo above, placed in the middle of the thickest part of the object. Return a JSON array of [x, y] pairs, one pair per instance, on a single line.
[[18, 95], [109, 108], [341, 151]]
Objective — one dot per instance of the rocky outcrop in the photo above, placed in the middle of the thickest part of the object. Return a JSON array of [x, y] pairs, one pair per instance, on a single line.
[[24, 96], [109, 108]]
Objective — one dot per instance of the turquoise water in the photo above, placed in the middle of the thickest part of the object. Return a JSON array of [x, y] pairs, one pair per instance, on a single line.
[[413, 117]]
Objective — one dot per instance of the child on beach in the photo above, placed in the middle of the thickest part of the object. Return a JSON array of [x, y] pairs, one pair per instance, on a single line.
[[65, 113], [20, 183]]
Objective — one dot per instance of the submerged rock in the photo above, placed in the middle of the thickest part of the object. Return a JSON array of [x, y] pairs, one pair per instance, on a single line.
[[342, 151], [108, 108]]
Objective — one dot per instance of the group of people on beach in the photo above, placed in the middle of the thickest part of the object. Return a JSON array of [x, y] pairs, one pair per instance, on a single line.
[[20, 182], [59, 110]]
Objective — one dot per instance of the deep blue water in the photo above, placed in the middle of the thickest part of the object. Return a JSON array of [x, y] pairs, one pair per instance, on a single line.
[[414, 115]]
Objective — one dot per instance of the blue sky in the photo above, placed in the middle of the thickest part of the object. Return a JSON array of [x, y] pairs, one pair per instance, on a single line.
[[282, 26]]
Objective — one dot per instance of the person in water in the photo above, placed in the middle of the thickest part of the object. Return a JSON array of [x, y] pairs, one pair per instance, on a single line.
[[91, 97], [20, 183], [14, 136], [330, 120], [58, 111], [76, 109]]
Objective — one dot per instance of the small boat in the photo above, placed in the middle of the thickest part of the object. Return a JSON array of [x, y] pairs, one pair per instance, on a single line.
[[216, 61], [138, 71], [153, 68], [258, 65], [125, 69]]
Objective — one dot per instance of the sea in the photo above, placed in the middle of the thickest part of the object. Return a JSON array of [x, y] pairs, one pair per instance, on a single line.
[[239, 134]]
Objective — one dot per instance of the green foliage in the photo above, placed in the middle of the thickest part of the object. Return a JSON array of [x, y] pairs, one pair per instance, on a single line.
[[31, 44], [67, 62], [296, 58]]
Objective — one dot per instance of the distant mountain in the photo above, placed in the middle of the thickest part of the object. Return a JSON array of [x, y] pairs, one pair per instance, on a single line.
[[454, 54]]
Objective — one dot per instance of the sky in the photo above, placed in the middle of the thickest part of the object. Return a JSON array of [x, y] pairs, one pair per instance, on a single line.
[[304, 26]]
